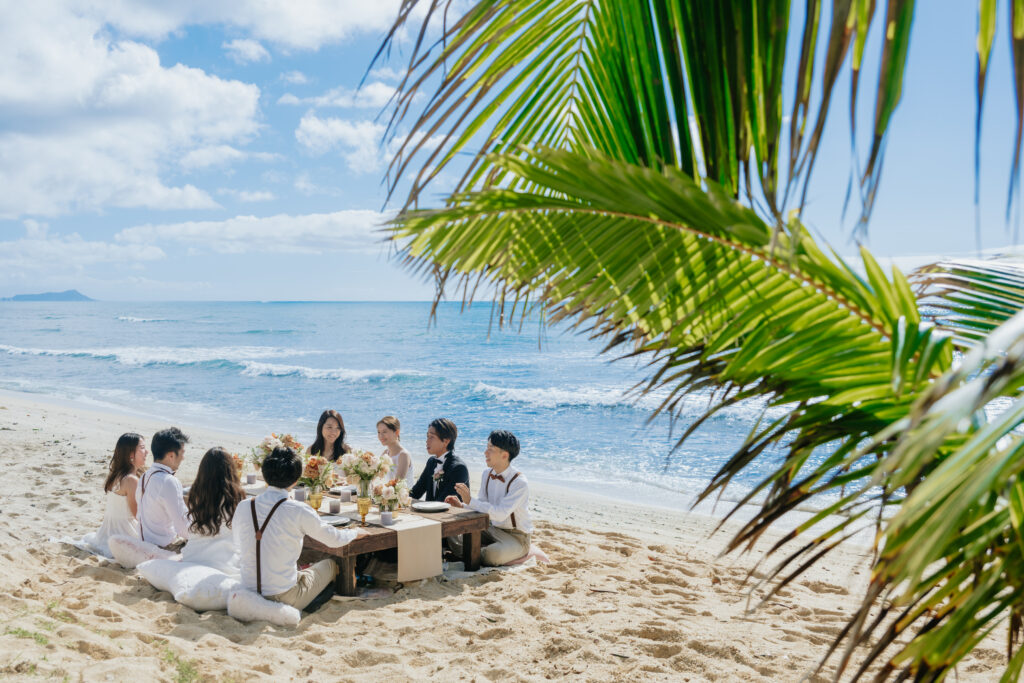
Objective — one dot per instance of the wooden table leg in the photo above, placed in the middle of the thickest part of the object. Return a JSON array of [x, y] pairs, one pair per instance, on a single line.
[[345, 584], [471, 550]]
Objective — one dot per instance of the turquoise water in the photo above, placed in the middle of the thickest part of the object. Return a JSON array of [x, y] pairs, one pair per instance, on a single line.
[[260, 367]]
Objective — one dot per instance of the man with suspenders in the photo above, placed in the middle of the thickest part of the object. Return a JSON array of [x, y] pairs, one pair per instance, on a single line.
[[163, 517], [504, 496], [269, 530]]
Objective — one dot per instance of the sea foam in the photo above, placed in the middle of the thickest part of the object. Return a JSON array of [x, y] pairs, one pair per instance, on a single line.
[[255, 369], [163, 355]]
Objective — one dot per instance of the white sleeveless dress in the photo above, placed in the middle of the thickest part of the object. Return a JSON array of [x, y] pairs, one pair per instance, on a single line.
[[410, 475], [217, 551], [117, 521]]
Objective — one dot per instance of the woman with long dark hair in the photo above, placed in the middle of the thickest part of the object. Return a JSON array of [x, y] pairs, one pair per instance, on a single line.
[[212, 500], [128, 460], [330, 436]]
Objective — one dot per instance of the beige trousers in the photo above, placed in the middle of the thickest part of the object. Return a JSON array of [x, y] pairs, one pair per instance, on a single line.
[[500, 546], [312, 581]]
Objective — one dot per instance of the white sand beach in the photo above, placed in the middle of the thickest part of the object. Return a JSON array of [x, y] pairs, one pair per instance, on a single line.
[[631, 593]]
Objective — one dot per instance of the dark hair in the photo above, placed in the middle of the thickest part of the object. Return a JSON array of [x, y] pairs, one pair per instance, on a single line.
[[121, 462], [170, 440], [339, 446], [215, 493], [391, 422], [282, 467], [506, 441], [445, 429]]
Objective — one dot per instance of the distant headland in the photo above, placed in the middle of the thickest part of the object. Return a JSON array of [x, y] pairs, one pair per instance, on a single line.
[[69, 295]]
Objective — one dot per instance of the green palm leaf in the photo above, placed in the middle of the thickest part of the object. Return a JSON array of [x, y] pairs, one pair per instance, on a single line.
[[970, 298]]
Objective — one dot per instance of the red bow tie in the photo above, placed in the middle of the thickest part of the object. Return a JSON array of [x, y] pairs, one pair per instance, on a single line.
[[498, 477]]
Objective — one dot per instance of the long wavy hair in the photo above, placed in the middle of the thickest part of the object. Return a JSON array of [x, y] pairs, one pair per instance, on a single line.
[[121, 462], [215, 493], [339, 446]]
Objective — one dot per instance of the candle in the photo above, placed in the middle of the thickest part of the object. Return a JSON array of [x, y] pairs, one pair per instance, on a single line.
[[299, 493]]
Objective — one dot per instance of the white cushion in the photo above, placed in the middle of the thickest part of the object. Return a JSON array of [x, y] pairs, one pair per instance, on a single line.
[[246, 605], [194, 585], [129, 551]]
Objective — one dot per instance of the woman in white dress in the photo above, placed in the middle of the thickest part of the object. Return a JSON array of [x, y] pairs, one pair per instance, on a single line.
[[212, 500], [389, 434], [128, 461]]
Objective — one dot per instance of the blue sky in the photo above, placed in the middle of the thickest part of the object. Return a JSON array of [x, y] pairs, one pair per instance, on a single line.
[[196, 150]]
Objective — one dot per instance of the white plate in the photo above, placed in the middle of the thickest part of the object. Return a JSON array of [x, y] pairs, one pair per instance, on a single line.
[[430, 506], [335, 520], [338, 489]]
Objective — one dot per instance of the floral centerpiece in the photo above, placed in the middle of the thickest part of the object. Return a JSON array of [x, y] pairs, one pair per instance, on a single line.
[[361, 468], [317, 475], [258, 454], [239, 462], [392, 495]]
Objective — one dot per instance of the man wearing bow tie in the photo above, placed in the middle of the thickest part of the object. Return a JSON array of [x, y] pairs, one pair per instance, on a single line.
[[444, 470], [504, 495]]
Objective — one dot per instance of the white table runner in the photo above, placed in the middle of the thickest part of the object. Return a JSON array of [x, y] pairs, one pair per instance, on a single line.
[[419, 541]]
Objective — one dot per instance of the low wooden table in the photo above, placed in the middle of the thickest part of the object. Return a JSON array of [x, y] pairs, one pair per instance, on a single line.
[[455, 522]]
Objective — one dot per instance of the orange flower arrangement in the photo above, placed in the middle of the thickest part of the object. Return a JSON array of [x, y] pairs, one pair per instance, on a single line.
[[317, 473]]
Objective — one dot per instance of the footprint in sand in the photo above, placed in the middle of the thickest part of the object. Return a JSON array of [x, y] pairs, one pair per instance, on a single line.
[[663, 650], [822, 587]]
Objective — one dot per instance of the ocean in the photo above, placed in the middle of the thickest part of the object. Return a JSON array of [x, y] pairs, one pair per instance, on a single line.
[[256, 368]]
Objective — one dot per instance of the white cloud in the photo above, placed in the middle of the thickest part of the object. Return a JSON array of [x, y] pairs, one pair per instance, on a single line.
[[309, 24], [306, 186], [246, 51], [35, 230], [222, 155], [373, 95], [247, 195], [39, 252], [359, 141], [295, 77], [352, 230], [91, 123], [386, 73]]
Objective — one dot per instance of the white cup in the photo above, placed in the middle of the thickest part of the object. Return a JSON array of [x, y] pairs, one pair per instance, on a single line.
[[335, 506]]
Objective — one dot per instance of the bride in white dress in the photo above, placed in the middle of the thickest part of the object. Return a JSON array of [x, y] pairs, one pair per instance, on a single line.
[[128, 461], [389, 434], [212, 500]]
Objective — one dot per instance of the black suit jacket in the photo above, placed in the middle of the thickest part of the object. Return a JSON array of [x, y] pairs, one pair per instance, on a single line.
[[455, 472]]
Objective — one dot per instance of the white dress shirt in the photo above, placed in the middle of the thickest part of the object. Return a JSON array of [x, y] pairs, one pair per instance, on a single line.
[[439, 463], [282, 540], [162, 513], [499, 505]]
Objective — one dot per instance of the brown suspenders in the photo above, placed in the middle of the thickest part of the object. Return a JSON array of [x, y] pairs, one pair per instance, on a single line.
[[258, 530], [507, 487], [142, 534], [487, 486]]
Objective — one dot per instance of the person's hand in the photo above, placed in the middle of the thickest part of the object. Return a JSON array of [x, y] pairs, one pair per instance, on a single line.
[[463, 492], [453, 501]]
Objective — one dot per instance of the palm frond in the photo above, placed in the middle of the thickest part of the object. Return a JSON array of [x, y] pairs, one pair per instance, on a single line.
[[709, 301], [970, 298], [694, 85]]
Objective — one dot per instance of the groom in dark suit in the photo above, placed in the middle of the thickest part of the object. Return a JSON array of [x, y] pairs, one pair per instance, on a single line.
[[444, 470]]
